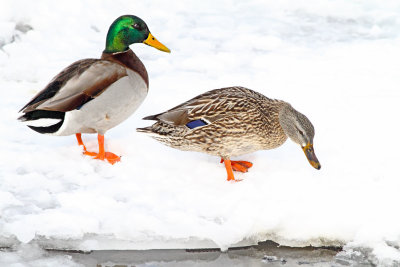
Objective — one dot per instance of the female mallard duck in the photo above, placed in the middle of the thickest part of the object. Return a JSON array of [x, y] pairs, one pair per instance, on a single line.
[[230, 122], [94, 95]]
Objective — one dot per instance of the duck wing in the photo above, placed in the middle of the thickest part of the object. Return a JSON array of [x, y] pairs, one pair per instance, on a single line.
[[209, 107], [76, 85]]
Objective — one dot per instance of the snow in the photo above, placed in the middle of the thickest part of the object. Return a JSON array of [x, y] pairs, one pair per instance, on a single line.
[[335, 61]]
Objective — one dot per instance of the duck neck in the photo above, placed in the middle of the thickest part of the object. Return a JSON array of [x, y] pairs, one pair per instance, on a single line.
[[283, 118], [115, 45], [275, 136]]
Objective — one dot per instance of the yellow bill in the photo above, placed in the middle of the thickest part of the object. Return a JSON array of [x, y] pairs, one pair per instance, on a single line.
[[152, 41], [310, 154]]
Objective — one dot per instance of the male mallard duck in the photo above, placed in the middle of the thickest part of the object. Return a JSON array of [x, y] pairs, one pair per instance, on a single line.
[[94, 95], [230, 122]]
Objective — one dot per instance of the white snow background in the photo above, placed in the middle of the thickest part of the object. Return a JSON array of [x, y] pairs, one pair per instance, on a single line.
[[337, 62]]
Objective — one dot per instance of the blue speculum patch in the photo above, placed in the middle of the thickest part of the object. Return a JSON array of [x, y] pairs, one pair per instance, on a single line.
[[196, 123]]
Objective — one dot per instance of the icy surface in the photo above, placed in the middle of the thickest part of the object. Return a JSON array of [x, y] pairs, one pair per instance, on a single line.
[[335, 61], [33, 256]]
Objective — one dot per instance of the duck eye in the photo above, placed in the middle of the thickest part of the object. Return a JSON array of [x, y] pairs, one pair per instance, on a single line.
[[136, 26]]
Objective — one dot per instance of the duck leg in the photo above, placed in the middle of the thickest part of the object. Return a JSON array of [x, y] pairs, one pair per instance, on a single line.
[[109, 156], [240, 165], [228, 168], [80, 142]]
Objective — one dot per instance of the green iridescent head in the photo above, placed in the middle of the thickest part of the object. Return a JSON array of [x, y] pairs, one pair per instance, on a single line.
[[127, 30]]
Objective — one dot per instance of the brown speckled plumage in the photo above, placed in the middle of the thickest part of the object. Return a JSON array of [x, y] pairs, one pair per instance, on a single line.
[[239, 120]]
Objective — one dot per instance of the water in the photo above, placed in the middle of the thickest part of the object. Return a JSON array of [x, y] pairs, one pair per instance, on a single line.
[[264, 254]]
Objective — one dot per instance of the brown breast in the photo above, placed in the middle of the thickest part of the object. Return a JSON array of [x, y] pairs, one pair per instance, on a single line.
[[129, 60]]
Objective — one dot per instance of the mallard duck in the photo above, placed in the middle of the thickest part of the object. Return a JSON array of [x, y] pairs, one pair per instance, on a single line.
[[95, 95], [230, 122]]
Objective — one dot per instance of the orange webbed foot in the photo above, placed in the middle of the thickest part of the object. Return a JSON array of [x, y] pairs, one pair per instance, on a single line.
[[112, 158], [241, 166], [102, 155], [109, 156], [88, 153]]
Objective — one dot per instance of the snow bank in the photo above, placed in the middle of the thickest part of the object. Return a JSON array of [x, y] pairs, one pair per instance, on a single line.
[[335, 61]]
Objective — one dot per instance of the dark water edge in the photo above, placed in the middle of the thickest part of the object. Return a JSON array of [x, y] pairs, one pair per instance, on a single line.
[[264, 254]]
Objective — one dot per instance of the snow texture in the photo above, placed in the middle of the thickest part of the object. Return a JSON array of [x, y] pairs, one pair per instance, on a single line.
[[335, 61]]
